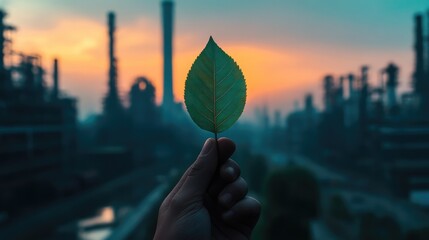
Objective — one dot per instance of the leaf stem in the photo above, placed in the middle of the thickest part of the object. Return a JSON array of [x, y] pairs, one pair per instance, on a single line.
[[217, 168], [217, 145]]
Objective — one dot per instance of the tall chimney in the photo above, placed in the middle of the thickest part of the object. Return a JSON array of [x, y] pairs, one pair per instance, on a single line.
[[392, 82], [55, 78], [340, 90], [5, 78], [364, 77], [2, 39], [351, 78], [419, 54], [112, 103], [167, 23], [363, 100], [426, 44], [309, 102], [328, 83], [112, 58]]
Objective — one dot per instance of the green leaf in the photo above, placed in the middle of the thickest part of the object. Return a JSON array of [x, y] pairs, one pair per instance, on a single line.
[[215, 89]]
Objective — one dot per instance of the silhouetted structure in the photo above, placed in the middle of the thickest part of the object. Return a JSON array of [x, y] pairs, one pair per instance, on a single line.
[[5, 78], [300, 131], [143, 109], [113, 120], [141, 129], [392, 72], [112, 103], [363, 102], [351, 110], [145, 121], [371, 130], [168, 104], [329, 92], [55, 77], [37, 133], [421, 77], [404, 149]]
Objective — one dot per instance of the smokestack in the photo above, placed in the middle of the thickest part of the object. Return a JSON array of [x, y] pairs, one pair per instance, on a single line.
[[5, 78], [340, 89], [363, 100], [341, 82], [427, 44], [392, 82], [2, 39], [351, 78], [329, 92], [112, 103], [364, 76], [112, 58], [309, 102], [55, 78], [167, 23], [419, 54]]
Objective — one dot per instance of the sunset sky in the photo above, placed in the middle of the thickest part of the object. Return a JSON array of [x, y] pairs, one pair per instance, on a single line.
[[284, 47]]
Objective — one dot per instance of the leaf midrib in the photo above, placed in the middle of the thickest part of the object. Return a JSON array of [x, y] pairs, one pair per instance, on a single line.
[[214, 89]]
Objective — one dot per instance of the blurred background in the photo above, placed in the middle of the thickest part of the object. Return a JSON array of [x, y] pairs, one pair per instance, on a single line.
[[334, 140]]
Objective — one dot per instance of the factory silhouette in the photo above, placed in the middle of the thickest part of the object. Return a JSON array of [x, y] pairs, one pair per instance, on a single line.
[[361, 160], [371, 125]]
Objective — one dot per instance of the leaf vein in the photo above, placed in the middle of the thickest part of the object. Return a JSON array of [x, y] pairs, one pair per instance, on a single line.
[[227, 105], [226, 64], [203, 115], [226, 76], [227, 91]]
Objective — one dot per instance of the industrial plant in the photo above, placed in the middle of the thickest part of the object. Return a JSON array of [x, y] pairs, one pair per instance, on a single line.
[[353, 169]]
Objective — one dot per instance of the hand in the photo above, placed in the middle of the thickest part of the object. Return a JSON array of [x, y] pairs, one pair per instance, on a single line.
[[209, 201]]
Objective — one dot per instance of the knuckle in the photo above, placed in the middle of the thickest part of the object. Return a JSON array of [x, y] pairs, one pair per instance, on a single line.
[[195, 168], [176, 203], [236, 167], [230, 170], [243, 185], [164, 205]]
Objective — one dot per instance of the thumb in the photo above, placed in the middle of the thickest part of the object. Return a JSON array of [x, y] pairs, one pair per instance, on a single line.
[[199, 175]]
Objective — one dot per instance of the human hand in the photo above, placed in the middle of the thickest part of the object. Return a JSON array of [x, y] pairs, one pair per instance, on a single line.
[[209, 201]]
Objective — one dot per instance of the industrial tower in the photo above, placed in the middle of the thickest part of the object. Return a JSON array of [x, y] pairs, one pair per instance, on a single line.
[[113, 108], [167, 23]]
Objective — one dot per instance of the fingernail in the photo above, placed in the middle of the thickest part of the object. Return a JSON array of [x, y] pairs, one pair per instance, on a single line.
[[230, 171], [208, 146], [225, 198]]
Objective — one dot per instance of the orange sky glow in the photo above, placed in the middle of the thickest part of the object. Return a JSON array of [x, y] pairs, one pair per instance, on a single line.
[[84, 63], [276, 75]]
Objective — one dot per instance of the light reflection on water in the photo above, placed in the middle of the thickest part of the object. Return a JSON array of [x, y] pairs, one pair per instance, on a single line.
[[98, 234], [98, 227], [106, 215]]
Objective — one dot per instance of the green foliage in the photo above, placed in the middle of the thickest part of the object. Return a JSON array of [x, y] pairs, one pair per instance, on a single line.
[[215, 89], [338, 208], [256, 171], [285, 226], [291, 201], [293, 189], [375, 228]]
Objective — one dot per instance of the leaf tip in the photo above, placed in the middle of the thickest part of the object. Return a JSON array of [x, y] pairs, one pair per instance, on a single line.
[[211, 39]]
